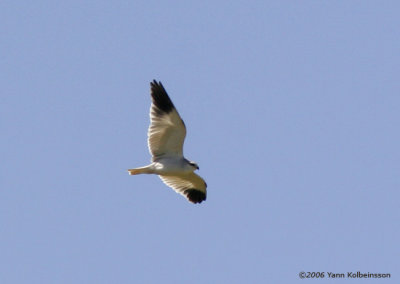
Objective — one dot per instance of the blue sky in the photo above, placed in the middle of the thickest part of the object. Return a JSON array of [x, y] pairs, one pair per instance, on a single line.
[[292, 110]]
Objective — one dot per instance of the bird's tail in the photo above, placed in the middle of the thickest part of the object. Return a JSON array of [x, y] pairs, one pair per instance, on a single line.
[[138, 171]]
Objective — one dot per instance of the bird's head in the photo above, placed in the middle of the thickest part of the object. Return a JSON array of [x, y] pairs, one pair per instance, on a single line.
[[194, 165]]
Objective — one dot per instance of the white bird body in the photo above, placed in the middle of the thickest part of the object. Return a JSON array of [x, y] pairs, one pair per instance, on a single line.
[[168, 166], [166, 135]]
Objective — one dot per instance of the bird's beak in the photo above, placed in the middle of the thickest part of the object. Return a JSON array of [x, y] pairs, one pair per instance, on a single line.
[[198, 167]]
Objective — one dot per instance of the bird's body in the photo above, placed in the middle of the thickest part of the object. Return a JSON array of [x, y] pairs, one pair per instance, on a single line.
[[168, 166], [166, 135]]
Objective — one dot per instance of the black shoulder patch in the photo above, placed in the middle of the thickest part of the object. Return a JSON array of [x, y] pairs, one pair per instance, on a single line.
[[160, 97], [194, 195]]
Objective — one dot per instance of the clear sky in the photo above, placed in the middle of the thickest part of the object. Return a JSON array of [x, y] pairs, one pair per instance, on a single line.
[[292, 110]]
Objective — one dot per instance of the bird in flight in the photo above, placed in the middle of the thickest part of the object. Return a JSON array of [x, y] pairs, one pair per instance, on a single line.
[[166, 135]]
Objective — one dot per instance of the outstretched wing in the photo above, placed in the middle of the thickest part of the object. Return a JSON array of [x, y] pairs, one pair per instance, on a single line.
[[167, 130], [192, 186]]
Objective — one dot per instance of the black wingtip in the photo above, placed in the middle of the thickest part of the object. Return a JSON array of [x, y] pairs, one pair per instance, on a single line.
[[195, 196], [160, 97], [154, 83]]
